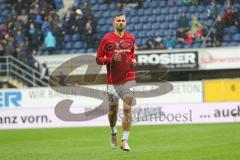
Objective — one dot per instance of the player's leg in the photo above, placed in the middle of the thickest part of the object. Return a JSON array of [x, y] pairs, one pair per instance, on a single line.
[[112, 117], [128, 98], [113, 101], [126, 122]]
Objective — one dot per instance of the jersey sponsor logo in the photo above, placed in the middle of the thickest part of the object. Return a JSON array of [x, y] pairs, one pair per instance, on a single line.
[[123, 46]]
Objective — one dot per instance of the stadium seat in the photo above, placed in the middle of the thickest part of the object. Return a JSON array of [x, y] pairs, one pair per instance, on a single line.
[[140, 12], [162, 4], [227, 37], [69, 45], [78, 45], [68, 38], [147, 26], [153, 4], [144, 19], [156, 12], [160, 18], [76, 37], [148, 12], [138, 27], [236, 37]]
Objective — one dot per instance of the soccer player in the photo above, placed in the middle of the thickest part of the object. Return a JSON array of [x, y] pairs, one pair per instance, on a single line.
[[116, 51]]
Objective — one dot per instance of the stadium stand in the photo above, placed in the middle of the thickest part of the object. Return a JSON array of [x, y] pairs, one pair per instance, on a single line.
[[163, 24]]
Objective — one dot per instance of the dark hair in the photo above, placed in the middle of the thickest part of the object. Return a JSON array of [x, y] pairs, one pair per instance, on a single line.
[[118, 14]]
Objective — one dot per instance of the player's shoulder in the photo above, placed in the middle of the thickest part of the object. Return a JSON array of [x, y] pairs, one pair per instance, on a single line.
[[129, 35], [107, 36]]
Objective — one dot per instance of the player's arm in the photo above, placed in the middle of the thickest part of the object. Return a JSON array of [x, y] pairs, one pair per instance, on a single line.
[[133, 56], [101, 58]]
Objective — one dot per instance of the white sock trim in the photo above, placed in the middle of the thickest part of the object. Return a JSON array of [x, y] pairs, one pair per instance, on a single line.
[[125, 135]]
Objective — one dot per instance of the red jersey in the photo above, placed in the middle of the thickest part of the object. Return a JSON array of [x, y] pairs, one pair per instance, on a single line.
[[118, 72]]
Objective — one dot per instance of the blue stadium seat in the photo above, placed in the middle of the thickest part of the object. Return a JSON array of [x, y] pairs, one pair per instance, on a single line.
[[142, 34], [152, 18], [169, 17], [135, 19], [164, 11], [173, 10], [68, 37], [192, 9], [138, 27], [225, 44], [147, 26], [64, 51], [153, 4], [165, 25], [200, 8], [151, 33], [160, 18], [112, 6], [233, 29], [133, 12], [162, 4], [76, 37], [234, 44], [130, 27], [91, 50], [103, 7], [108, 21], [156, 11], [236, 37], [140, 12], [101, 21], [139, 42], [156, 26], [78, 45], [82, 50], [93, 1], [148, 12], [69, 45], [227, 37], [145, 4], [73, 51], [143, 19]]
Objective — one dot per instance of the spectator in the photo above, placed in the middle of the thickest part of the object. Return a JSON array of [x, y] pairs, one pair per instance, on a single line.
[[236, 18], [18, 38], [214, 10], [59, 34], [89, 33], [169, 42], [33, 37], [183, 22], [78, 23], [1, 50], [181, 35], [228, 17], [58, 4], [219, 26], [196, 27], [44, 73], [186, 2], [22, 52], [50, 42], [9, 47]]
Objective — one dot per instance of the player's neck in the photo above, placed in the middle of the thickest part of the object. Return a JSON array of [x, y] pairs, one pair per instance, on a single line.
[[119, 34]]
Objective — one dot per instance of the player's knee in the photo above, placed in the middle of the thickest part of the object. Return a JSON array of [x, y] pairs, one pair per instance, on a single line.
[[127, 110], [113, 110], [128, 100]]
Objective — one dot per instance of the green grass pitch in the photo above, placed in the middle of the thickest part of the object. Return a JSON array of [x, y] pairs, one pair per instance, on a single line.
[[163, 142]]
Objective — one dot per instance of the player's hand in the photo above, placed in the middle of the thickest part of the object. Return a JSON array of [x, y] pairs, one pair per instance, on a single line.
[[117, 57], [134, 62]]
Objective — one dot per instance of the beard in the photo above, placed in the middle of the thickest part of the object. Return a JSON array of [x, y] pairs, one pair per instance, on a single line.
[[120, 28]]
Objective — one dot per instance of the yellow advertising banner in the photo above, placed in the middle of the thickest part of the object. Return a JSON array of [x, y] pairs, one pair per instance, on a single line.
[[222, 90]]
